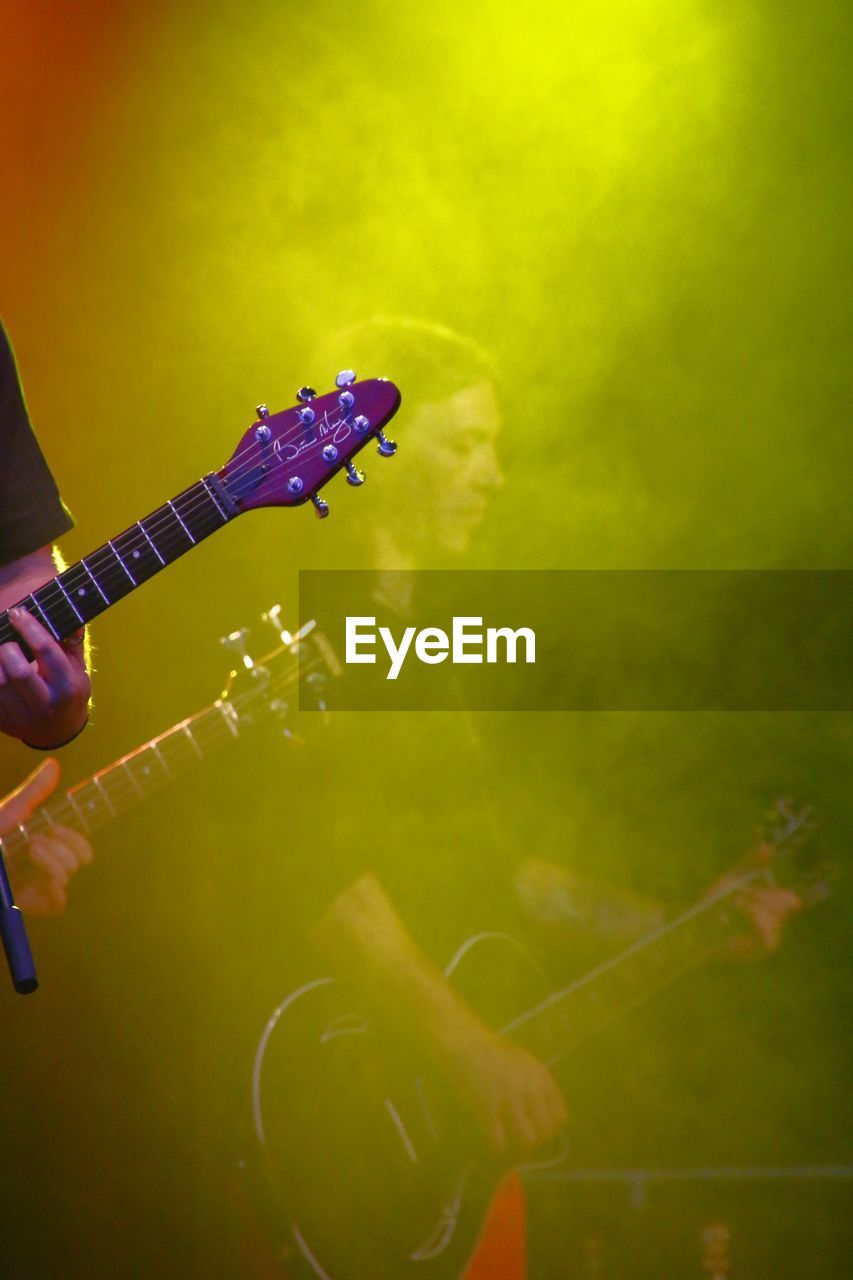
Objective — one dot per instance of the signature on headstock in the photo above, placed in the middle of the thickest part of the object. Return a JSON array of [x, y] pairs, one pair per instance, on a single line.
[[285, 458]]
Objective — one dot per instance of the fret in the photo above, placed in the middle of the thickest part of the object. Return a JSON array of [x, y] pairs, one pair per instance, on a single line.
[[189, 734], [199, 511], [102, 789], [55, 605], [14, 841], [178, 749], [111, 545], [156, 749], [90, 804], [150, 542], [229, 715], [43, 619], [77, 615], [78, 594], [136, 554], [218, 497], [171, 507], [111, 576], [140, 768], [79, 584], [167, 534], [74, 805], [59, 813], [125, 764], [95, 582]]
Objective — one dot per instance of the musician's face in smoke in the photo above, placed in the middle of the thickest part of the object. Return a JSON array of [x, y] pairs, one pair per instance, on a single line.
[[457, 466]]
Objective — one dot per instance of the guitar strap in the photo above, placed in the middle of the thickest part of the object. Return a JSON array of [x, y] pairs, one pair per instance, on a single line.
[[501, 1252]]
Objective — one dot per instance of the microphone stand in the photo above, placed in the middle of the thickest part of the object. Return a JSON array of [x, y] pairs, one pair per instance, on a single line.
[[13, 933]]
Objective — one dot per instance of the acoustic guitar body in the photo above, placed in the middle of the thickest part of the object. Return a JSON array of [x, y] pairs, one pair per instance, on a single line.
[[375, 1167]]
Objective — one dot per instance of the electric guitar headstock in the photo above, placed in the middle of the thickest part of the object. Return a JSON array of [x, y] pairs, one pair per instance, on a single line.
[[259, 686], [784, 851], [285, 458]]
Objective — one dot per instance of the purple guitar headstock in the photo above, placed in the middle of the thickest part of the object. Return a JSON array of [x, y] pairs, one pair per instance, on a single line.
[[285, 458]]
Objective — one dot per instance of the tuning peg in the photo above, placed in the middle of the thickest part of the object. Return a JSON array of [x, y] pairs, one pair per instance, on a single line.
[[344, 378], [273, 618], [281, 711], [262, 431], [306, 416], [387, 448], [320, 506], [330, 453], [295, 485], [354, 476], [316, 681], [305, 394], [361, 424], [346, 400], [236, 642]]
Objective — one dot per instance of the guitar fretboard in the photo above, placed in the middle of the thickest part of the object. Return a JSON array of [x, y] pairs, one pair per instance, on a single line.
[[104, 577], [118, 787], [568, 1017]]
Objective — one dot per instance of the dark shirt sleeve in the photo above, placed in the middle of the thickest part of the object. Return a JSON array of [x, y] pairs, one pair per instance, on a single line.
[[31, 511]]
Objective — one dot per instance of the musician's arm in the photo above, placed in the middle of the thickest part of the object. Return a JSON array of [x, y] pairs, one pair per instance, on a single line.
[[573, 907], [514, 1097], [570, 906]]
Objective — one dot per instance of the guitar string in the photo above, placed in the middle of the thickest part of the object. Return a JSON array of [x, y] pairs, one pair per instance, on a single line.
[[244, 458], [41, 822], [701, 909]]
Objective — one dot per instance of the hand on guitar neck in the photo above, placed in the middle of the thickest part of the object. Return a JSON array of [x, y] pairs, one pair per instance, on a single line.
[[44, 699], [41, 885], [767, 907]]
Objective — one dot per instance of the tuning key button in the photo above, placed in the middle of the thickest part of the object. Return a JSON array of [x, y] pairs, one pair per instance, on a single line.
[[305, 394], [387, 448], [262, 432], [306, 416], [295, 485], [361, 424], [346, 400], [273, 618], [344, 378], [236, 641], [330, 453], [321, 507], [354, 476]]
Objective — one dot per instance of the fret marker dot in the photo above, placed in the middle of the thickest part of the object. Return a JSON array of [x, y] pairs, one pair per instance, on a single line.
[[81, 591], [136, 554]]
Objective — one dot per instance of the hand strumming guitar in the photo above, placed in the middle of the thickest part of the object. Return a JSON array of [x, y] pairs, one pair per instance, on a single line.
[[514, 1097]]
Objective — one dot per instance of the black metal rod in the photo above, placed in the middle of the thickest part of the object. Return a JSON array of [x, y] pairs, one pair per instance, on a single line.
[[13, 933]]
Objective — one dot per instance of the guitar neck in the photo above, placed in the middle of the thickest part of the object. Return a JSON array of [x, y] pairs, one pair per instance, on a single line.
[[104, 577], [568, 1017], [93, 803]]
